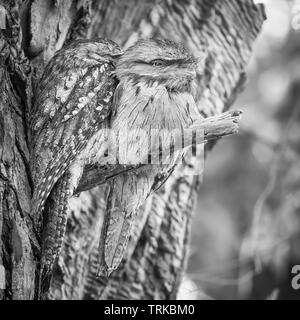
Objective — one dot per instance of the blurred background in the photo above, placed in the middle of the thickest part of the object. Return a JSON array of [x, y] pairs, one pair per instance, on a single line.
[[246, 229]]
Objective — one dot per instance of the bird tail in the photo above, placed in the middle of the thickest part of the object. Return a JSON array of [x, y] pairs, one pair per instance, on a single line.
[[54, 225], [115, 233], [127, 193]]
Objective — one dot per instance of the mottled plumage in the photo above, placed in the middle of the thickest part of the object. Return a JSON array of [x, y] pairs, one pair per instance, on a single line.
[[155, 98], [143, 95], [72, 103], [73, 99]]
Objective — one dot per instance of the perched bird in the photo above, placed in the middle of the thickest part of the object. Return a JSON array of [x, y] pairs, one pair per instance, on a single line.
[[72, 103], [93, 100]]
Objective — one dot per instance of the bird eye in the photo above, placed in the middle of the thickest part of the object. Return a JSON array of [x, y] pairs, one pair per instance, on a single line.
[[157, 63]]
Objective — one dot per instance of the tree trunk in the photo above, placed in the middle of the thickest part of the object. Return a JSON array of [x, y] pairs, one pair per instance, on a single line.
[[31, 32]]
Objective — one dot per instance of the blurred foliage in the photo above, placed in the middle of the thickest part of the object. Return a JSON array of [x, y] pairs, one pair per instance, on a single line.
[[246, 230]]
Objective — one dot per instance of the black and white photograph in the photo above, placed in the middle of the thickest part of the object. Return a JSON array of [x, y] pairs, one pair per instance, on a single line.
[[149, 150]]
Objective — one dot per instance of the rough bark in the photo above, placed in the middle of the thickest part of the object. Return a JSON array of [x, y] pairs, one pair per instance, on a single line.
[[31, 33]]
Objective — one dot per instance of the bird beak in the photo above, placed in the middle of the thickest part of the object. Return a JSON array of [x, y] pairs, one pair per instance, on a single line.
[[190, 65], [190, 61], [116, 57], [200, 62]]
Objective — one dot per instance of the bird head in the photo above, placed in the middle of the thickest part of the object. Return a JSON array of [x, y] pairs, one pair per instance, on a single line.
[[163, 61]]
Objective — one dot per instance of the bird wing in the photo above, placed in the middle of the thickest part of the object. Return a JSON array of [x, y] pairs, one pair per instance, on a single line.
[[73, 100]]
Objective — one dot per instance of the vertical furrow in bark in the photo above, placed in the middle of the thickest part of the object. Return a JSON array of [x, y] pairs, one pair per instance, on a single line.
[[17, 263]]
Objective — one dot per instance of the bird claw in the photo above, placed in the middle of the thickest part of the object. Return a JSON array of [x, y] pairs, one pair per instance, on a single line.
[[103, 271]]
